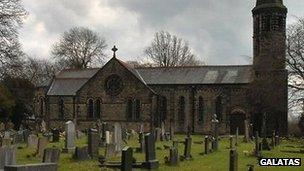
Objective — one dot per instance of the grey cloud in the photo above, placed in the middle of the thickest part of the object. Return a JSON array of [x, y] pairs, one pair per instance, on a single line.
[[220, 31]]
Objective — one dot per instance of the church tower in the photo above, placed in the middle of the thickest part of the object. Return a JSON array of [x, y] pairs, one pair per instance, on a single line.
[[270, 74]]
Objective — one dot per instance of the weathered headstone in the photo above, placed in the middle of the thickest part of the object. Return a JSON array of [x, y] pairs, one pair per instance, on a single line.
[[237, 136], [6, 141], [187, 149], [69, 137], [32, 141], [7, 156], [43, 126], [206, 144], [171, 131], [26, 134], [257, 142], [233, 161], [246, 134], [215, 123], [51, 155], [110, 150], [162, 131], [42, 143], [150, 155], [141, 140], [32, 167], [231, 142], [173, 158], [117, 137], [126, 159], [93, 143], [18, 137], [56, 135], [81, 153], [277, 140], [107, 137]]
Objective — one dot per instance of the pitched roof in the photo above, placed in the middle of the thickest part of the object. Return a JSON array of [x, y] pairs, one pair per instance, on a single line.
[[69, 81], [233, 74]]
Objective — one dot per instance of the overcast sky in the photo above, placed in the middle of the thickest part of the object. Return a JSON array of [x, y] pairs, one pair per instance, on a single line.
[[219, 31]]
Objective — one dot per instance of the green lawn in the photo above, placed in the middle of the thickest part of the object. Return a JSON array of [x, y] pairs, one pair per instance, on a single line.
[[216, 161]]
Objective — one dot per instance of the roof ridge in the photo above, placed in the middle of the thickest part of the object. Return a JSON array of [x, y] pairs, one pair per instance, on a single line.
[[197, 66], [77, 69]]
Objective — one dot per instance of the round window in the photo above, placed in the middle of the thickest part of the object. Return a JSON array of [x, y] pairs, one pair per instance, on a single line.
[[113, 85]]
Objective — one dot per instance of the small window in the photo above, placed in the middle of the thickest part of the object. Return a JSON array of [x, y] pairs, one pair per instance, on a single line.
[[201, 109], [90, 108], [218, 107], [129, 109], [61, 109], [181, 109], [136, 114], [97, 106]]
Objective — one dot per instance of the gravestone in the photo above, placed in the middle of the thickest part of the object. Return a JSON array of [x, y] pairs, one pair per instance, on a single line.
[[43, 126], [215, 123], [18, 137], [7, 156], [6, 142], [141, 140], [117, 137], [206, 144], [231, 142], [257, 144], [7, 135], [56, 135], [108, 137], [103, 133], [171, 131], [233, 161], [162, 131], [150, 155], [273, 143], [277, 140], [187, 149], [173, 158], [236, 136], [126, 159], [81, 153], [79, 134], [32, 167], [42, 143], [51, 155], [157, 134], [93, 143], [26, 134], [110, 150], [246, 134], [32, 141], [69, 137]]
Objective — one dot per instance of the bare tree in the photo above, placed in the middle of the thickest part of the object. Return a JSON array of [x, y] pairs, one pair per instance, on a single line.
[[12, 14], [40, 71], [295, 60], [168, 50], [79, 48], [295, 65]]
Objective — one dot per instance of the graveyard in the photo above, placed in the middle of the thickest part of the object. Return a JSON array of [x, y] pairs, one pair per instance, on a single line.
[[201, 153]]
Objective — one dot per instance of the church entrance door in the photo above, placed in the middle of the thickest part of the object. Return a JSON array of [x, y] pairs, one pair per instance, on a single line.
[[237, 120]]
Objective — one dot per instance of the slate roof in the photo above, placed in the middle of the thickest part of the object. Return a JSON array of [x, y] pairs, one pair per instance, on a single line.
[[233, 74], [69, 81]]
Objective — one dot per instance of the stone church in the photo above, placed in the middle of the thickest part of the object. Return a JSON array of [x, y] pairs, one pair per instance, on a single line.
[[182, 97]]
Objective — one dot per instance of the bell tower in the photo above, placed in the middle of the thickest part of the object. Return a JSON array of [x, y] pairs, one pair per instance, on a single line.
[[270, 74]]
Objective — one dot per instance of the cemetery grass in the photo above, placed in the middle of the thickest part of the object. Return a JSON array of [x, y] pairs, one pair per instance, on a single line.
[[216, 161]]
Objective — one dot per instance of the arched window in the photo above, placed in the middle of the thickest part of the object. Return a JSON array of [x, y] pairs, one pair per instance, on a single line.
[[219, 108], [201, 111], [163, 108], [97, 109], [129, 109], [90, 108], [61, 108], [136, 114], [41, 103], [181, 109]]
